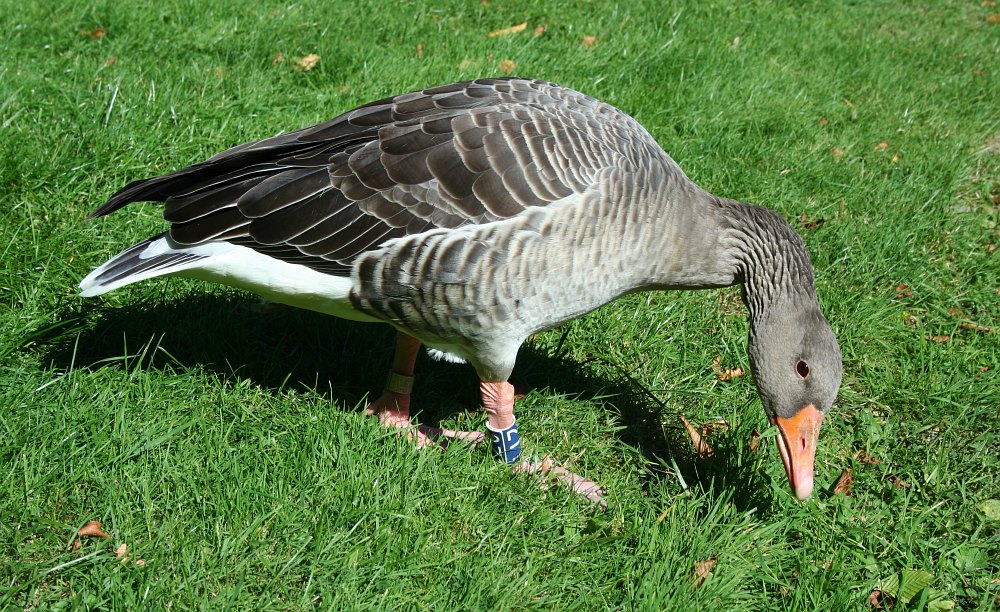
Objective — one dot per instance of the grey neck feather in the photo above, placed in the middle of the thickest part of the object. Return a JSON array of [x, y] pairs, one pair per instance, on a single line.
[[770, 259], [703, 241]]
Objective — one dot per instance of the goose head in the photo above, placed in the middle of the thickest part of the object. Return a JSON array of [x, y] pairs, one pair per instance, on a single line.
[[797, 368]]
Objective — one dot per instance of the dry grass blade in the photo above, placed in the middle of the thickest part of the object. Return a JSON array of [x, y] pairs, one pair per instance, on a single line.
[[514, 29]]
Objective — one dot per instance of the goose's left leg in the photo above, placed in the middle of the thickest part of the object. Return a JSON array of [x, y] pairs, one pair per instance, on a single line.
[[393, 406], [498, 400]]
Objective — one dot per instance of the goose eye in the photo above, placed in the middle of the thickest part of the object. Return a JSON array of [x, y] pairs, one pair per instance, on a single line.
[[802, 369]]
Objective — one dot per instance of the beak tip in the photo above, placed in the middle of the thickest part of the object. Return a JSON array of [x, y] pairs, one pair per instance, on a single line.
[[797, 446]]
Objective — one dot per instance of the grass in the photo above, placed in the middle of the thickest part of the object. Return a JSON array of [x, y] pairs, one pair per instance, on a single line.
[[225, 444]]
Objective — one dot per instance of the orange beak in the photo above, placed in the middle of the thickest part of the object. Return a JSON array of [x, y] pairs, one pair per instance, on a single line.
[[797, 444]]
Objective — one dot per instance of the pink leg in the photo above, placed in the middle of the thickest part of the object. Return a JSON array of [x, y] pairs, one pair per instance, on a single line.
[[393, 406], [498, 400]]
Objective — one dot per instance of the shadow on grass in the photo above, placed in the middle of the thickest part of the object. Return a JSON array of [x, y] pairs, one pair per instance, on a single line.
[[281, 348]]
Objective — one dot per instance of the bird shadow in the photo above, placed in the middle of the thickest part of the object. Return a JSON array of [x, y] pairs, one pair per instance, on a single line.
[[282, 348]]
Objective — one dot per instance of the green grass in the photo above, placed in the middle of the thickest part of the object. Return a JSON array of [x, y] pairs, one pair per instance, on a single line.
[[226, 447]]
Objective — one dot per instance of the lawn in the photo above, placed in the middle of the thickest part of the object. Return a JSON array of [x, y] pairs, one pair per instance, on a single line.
[[222, 441]]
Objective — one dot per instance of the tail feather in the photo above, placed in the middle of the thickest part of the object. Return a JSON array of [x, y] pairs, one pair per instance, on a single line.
[[148, 259], [159, 188]]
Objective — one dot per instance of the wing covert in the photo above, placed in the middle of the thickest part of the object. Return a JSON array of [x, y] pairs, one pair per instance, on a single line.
[[460, 154]]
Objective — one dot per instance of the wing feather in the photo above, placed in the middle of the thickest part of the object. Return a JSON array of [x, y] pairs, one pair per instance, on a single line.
[[459, 154]]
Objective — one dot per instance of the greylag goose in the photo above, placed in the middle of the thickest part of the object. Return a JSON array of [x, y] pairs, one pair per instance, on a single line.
[[471, 215]]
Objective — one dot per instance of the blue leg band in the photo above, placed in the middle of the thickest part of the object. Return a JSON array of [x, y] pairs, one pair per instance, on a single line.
[[506, 443]]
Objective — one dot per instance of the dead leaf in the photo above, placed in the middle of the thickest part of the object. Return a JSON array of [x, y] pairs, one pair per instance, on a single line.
[[807, 224], [140, 562], [121, 551], [993, 19], [514, 29], [735, 43], [703, 569], [910, 320], [882, 146], [975, 326], [729, 374], [966, 323], [898, 482], [306, 63], [111, 60], [837, 152], [939, 339], [896, 158], [507, 66], [863, 457], [539, 29], [700, 445], [903, 291], [876, 599], [466, 64], [588, 41], [844, 483], [420, 51], [713, 427], [97, 33], [92, 530], [754, 440], [823, 122], [725, 374], [280, 57]]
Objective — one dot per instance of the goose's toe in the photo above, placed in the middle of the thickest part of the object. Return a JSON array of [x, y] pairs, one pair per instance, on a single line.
[[393, 410], [549, 472]]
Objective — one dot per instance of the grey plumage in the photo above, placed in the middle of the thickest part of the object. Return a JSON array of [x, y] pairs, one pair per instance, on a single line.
[[475, 214]]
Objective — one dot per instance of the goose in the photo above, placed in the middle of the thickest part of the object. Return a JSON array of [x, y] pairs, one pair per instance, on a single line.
[[472, 215]]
